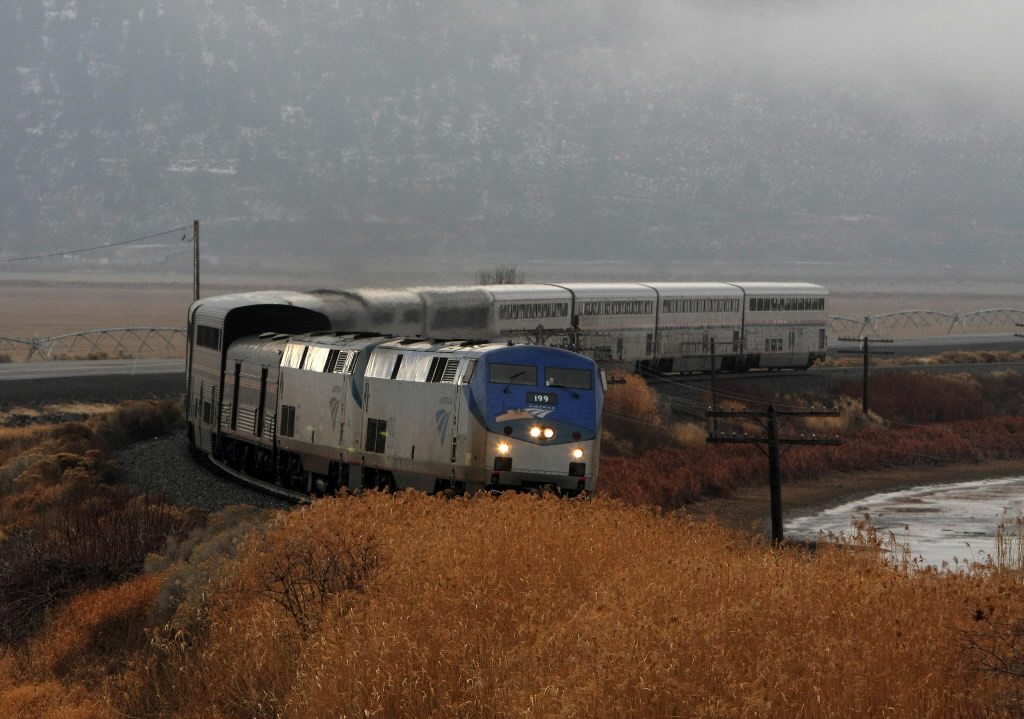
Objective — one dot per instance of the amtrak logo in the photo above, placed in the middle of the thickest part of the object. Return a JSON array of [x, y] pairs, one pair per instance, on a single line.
[[335, 403], [442, 417], [530, 413]]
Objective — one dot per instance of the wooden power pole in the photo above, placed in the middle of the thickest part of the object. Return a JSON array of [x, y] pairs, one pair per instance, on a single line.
[[195, 260], [867, 352], [769, 420]]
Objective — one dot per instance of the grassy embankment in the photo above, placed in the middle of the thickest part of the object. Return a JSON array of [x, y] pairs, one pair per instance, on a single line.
[[411, 605]]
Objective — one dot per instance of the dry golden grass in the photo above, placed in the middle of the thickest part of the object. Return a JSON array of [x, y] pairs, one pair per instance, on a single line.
[[943, 358], [16, 440], [1010, 544], [414, 606], [521, 606], [633, 419], [95, 633]]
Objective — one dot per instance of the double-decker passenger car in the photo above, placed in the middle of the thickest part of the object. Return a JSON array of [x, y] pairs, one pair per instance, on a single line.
[[323, 410], [668, 326]]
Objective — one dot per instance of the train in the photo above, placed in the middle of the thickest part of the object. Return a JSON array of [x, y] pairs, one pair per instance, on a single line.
[[322, 410], [460, 388], [663, 326]]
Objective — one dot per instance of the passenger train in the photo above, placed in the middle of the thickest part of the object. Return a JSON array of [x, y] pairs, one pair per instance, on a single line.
[[321, 410], [667, 326], [493, 386]]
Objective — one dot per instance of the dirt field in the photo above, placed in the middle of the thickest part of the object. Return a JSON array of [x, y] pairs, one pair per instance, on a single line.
[[30, 309]]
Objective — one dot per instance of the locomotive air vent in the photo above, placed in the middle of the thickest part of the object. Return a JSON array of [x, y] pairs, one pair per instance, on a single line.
[[450, 371], [443, 369], [337, 361]]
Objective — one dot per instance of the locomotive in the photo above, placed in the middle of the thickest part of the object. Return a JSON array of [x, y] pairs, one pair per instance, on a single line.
[[324, 410]]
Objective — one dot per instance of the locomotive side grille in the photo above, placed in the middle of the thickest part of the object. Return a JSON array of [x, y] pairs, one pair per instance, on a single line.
[[246, 421], [208, 337], [436, 368], [269, 425], [337, 361], [450, 371], [376, 435], [287, 421], [443, 369]]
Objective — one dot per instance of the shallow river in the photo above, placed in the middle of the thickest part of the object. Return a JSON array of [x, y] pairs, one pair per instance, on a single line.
[[939, 523]]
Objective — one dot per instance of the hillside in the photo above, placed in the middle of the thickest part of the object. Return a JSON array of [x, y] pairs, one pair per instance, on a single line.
[[698, 130]]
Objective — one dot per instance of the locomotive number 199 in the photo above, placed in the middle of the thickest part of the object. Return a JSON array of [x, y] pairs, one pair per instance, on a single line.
[[542, 398]]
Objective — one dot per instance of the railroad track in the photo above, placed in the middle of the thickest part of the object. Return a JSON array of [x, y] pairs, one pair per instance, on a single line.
[[269, 487]]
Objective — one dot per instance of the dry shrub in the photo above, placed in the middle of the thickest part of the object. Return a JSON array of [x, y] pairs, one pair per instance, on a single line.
[[943, 358], [97, 537], [249, 622], [633, 420], [688, 434], [15, 440], [526, 606], [920, 397], [188, 560], [305, 577], [96, 633], [53, 700], [60, 448], [134, 421], [850, 419], [669, 478], [1009, 554]]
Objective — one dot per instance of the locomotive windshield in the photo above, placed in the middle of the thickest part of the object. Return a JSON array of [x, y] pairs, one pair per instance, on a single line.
[[514, 374], [568, 378]]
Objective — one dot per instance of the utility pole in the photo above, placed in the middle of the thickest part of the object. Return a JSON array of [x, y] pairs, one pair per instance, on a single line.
[[769, 420], [714, 388], [866, 351], [195, 260]]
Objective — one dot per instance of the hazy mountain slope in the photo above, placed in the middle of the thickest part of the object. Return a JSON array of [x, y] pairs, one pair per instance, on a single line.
[[375, 126]]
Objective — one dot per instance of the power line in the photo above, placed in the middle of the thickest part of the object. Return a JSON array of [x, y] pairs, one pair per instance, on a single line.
[[97, 247]]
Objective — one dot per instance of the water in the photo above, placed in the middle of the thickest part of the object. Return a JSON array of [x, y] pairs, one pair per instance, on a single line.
[[939, 523]]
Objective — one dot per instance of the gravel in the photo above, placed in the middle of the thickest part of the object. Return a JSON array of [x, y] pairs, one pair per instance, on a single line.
[[165, 466]]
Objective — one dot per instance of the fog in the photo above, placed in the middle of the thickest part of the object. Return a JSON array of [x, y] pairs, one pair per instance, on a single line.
[[939, 59], [337, 134]]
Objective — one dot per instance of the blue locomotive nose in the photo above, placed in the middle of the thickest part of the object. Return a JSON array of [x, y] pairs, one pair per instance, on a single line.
[[540, 396]]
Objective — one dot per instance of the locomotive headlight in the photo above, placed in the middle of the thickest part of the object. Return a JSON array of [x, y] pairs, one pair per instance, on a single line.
[[504, 448], [577, 453], [548, 433], [535, 432]]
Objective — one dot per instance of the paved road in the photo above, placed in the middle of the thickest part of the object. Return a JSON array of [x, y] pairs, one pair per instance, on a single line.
[[90, 381]]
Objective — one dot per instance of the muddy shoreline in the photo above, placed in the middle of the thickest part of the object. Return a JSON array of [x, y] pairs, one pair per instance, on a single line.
[[748, 508]]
